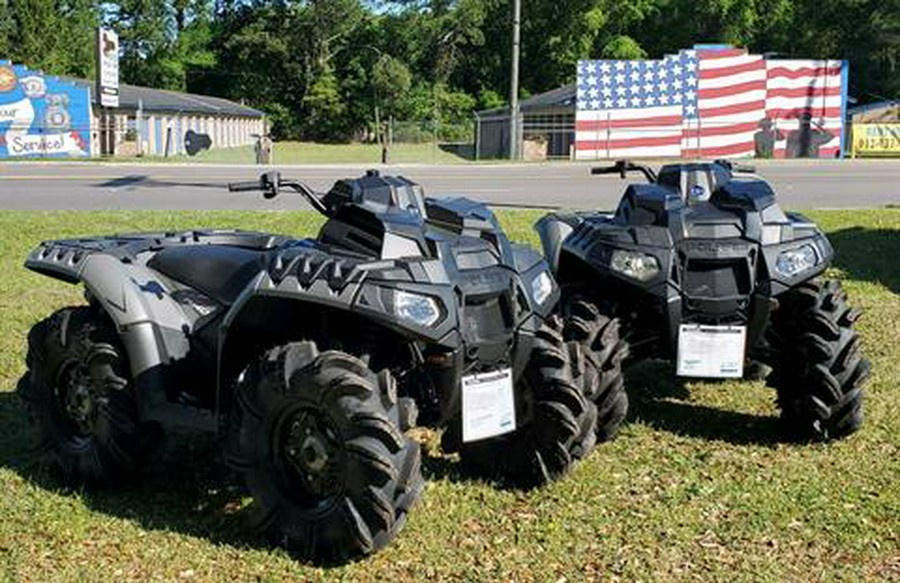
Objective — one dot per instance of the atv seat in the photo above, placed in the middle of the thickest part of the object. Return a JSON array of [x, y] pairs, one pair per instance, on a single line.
[[219, 271]]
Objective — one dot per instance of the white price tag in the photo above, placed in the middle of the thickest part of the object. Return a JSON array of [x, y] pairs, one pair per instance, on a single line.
[[711, 351], [488, 406]]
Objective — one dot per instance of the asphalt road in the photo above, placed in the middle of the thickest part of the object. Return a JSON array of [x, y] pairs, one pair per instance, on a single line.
[[88, 186]]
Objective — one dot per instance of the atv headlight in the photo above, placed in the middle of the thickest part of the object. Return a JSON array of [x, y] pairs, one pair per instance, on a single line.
[[793, 261], [419, 309], [634, 264], [541, 287]]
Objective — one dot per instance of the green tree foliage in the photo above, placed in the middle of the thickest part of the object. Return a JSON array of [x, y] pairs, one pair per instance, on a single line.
[[392, 80], [40, 33], [318, 67]]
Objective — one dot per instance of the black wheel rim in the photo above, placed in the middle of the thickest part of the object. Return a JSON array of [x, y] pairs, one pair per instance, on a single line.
[[310, 454], [76, 400]]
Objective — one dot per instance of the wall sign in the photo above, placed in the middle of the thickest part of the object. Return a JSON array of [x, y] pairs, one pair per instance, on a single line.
[[710, 102], [876, 138], [42, 115]]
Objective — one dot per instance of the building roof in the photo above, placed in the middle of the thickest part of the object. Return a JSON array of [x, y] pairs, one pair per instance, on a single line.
[[886, 104], [886, 111], [133, 96], [560, 97]]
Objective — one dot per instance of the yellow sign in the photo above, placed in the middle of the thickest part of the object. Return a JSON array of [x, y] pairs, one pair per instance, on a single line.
[[876, 138]]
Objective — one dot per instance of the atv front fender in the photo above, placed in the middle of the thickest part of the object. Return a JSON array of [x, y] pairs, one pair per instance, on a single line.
[[370, 299], [553, 229]]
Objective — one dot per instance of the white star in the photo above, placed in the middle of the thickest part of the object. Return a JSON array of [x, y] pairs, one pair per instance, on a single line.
[[690, 109], [648, 86], [604, 67], [690, 95], [593, 92], [691, 65], [607, 92], [620, 65], [595, 104], [653, 100], [607, 103], [620, 102], [592, 67], [620, 77], [676, 83], [671, 99], [691, 80], [620, 90]]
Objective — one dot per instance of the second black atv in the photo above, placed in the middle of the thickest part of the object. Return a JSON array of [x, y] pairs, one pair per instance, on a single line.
[[313, 356], [702, 266]]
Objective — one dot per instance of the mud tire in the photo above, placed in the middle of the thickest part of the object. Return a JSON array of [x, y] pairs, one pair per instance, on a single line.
[[818, 368], [558, 431], [345, 492]]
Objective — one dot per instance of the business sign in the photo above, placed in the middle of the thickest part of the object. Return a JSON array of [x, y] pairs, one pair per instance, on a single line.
[[108, 67], [876, 138], [42, 115]]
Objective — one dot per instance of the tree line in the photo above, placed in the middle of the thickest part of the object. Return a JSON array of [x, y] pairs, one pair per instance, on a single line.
[[319, 68]]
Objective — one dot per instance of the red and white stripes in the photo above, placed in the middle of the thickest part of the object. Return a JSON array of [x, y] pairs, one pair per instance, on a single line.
[[813, 90], [731, 100], [628, 133]]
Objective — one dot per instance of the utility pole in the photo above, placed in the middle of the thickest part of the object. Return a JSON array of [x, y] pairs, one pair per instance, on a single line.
[[514, 84]]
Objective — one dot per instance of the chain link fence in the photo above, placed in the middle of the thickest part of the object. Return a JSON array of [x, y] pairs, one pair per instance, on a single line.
[[426, 141]]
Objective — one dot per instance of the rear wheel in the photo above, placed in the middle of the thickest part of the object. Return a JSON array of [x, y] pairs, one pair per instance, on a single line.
[[558, 421], [818, 369], [80, 396], [604, 351], [317, 438]]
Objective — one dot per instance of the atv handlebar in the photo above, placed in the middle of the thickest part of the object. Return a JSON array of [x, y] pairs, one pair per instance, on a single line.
[[623, 167], [270, 183]]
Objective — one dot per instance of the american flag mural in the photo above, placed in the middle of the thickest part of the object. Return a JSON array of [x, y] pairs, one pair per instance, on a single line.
[[710, 102]]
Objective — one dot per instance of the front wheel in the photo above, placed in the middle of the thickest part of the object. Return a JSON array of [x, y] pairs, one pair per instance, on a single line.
[[818, 369], [317, 439], [558, 426], [604, 351]]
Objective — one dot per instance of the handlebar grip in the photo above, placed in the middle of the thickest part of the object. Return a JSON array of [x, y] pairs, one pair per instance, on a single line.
[[244, 186], [605, 170]]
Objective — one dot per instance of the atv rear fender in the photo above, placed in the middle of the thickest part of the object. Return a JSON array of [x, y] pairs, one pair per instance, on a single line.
[[153, 327]]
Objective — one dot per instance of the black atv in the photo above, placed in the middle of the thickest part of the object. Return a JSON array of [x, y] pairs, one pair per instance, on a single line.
[[312, 357], [702, 266]]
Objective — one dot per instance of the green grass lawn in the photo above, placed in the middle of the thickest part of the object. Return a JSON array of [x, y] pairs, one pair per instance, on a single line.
[[698, 485], [312, 153], [290, 153]]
